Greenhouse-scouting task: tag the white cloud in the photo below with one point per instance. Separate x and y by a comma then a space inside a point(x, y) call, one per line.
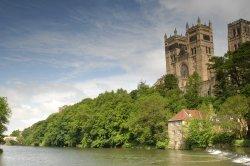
point(134, 45)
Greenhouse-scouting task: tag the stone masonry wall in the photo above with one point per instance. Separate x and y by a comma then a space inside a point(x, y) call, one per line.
point(175, 133)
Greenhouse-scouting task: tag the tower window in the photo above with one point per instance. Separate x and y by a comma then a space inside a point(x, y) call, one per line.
point(208, 50)
point(184, 71)
point(234, 32)
point(206, 37)
point(238, 31)
point(193, 38)
point(193, 51)
point(235, 47)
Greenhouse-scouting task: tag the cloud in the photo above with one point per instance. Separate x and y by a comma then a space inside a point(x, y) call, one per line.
point(86, 51)
point(30, 102)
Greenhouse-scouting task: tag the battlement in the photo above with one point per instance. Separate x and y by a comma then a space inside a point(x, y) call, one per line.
point(238, 33)
point(238, 21)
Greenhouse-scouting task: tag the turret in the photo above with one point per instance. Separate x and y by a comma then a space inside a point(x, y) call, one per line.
point(210, 24)
point(165, 37)
point(187, 26)
point(199, 21)
point(175, 32)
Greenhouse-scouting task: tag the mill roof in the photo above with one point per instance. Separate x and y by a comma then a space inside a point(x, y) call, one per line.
point(186, 114)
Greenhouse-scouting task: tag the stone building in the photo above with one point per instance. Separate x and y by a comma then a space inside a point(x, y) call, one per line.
point(189, 53)
point(176, 125)
point(238, 33)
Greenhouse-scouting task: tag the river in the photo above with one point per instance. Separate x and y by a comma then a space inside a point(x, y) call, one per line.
point(45, 156)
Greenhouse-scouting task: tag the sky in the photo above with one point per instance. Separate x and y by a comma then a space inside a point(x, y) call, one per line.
point(58, 52)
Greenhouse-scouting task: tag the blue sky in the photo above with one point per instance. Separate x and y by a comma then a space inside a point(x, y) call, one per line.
point(57, 52)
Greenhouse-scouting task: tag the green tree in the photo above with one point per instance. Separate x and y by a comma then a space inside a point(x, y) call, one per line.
point(15, 133)
point(233, 113)
point(232, 72)
point(168, 82)
point(192, 96)
point(4, 115)
point(199, 133)
point(175, 100)
point(148, 123)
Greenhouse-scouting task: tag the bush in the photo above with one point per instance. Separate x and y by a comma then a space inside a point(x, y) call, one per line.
point(242, 143)
point(223, 138)
point(161, 145)
point(127, 145)
point(11, 142)
point(199, 133)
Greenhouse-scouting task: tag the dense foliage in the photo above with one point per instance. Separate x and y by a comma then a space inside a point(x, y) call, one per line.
point(4, 115)
point(113, 119)
point(199, 134)
point(139, 118)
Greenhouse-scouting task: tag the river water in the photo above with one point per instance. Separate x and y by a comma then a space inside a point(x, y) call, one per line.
point(44, 156)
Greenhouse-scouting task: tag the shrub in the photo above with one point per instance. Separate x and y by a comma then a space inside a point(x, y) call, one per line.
point(223, 138)
point(199, 133)
point(161, 145)
point(242, 143)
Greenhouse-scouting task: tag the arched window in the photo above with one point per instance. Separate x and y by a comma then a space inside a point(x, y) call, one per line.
point(184, 71)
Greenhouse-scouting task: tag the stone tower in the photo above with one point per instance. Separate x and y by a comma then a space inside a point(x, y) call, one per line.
point(190, 53)
point(238, 33)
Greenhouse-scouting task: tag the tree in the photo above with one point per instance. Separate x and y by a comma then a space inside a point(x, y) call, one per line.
point(175, 100)
point(142, 90)
point(169, 82)
point(15, 133)
point(233, 113)
point(193, 90)
point(207, 110)
point(148, 123)
point(4, 115)
point(199, 133)
point(232, 72)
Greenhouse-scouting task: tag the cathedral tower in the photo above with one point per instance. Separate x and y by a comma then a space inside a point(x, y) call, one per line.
point(201, 48)
point(190, 53)
point(238, 33)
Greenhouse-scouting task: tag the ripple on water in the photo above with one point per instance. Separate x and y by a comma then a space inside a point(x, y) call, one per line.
point(236, 158)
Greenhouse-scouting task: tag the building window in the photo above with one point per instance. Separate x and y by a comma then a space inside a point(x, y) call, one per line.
point(193, 38)
point(184, 71)
point(238, 31)
point(206, 37)
point(234, 32)
point(235, 47)
point(209, 50)
point(193, 51)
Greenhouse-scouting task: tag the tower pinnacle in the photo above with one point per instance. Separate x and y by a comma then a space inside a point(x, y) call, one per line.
point(198, 21)
point(210, 24)
point(187, 26)
point(175, 31)
point(165, 37)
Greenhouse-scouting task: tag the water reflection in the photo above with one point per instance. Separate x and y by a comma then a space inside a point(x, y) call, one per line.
point(37, 156)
